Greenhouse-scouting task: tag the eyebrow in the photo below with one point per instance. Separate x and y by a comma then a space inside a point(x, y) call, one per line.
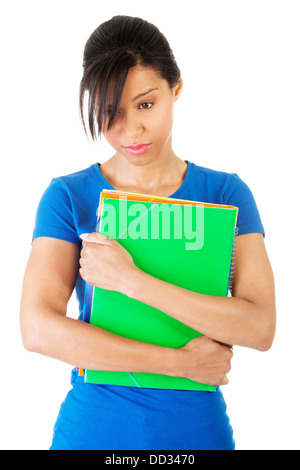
point(144, 94)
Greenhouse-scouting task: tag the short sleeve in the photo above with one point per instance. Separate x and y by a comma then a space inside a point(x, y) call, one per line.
point(240, 195)
point(54, 217)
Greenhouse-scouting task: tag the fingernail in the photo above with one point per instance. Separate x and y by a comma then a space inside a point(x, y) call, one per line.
point(84, 236)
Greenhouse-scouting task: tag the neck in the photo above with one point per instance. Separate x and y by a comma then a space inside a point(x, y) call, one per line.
point(158, 175)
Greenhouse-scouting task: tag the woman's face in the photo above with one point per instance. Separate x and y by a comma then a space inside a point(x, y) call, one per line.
point(143, 129)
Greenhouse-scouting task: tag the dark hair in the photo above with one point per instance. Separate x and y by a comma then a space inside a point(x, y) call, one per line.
point(111, 51)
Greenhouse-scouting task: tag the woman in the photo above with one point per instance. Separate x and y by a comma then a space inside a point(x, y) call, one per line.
point(132, 82)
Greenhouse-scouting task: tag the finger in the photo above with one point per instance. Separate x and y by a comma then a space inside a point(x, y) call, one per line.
point(95, 237)
point(225, 381)
point(81, 272)
point(83, 261)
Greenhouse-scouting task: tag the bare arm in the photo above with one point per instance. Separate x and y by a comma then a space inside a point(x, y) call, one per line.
point(246, 319)
point(48, 284)
point(49, 281)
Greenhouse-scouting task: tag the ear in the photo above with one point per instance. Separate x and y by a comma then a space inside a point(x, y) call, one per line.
point(177, 89)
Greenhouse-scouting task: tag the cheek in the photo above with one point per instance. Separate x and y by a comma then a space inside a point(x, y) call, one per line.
point(162, 117)
point(163, 122)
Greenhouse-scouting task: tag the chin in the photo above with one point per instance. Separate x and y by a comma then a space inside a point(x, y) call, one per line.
point(139, 160)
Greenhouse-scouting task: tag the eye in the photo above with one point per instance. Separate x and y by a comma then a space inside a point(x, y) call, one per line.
point(108, 112)
point(147, 105)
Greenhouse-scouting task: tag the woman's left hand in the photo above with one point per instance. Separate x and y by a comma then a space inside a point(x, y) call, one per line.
point(105, 263)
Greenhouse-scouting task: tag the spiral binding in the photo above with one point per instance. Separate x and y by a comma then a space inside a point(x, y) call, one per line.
point(233, 260)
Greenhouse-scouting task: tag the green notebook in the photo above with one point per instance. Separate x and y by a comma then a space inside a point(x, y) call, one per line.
point(189, 246)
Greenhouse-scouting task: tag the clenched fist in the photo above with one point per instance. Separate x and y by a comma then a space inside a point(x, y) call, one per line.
point(206, 361)
point(105, 263)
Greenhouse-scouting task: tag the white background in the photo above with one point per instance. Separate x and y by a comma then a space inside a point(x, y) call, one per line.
point(239, 112)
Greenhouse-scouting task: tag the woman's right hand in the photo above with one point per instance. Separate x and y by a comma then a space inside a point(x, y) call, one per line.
point(206, 361)
point(47, 330)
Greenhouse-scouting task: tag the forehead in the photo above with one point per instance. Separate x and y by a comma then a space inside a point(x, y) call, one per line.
point(141, 79)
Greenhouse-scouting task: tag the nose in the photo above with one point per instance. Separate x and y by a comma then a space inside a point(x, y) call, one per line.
point(131, 126)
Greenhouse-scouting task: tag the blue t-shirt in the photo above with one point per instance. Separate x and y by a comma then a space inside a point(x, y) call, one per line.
point(116, 417)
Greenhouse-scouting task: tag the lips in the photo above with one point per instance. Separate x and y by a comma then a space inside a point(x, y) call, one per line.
point(139, 149)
